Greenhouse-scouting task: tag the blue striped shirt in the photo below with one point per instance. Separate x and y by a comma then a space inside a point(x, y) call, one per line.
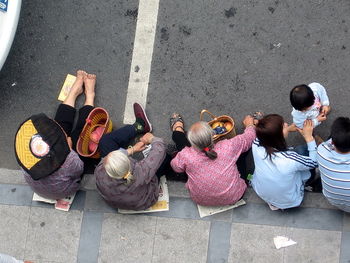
point(280, 182)
point(335, 175)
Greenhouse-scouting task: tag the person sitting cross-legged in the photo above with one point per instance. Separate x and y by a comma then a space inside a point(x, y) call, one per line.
point(281, 174)
point(214, 178)
point(123, 181)
point(45, 147)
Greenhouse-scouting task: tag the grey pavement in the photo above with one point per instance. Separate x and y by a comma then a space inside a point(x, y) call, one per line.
point(93, 232)
point(230, 57)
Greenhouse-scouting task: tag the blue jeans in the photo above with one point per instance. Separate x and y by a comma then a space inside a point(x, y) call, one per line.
point(119, 138)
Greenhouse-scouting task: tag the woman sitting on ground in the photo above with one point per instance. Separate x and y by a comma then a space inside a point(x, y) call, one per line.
point(280, 174)
point(45, 148)
point(123, 181)
point(213, 176)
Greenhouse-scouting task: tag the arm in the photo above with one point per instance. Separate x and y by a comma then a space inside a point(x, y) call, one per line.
point(152, 162)
point(74, 167)
point(298, 118)
point(244, 141)
point(321, 93)
point(178, 163)
point(303, 163)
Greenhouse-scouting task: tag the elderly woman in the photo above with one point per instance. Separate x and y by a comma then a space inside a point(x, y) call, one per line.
point(280, 174)
point(213, 176)
point(45, 148)
point(124, 182)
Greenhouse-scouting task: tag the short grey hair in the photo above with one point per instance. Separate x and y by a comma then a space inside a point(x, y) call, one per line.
point(117, 165)
point(200, 135)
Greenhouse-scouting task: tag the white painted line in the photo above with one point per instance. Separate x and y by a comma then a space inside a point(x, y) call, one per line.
point(142, 57)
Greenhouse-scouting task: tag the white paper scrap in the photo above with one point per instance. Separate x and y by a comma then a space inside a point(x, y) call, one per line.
point(281, 241)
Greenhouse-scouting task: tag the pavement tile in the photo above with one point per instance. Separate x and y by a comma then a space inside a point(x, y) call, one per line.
point(316, 200)
point(254, 243)
point(90, 237)
point(258, 214)
point(344, 249)
point(219, 242)
point(14, 194)
point(310, 243)
point(313, 218)
point(251, 197)
point(53, 235)
point(346, 222)
point(178, 189)
point(94, 202)
point(181, 240)
point(8, 176)
point(13, 225)
point(127, 238)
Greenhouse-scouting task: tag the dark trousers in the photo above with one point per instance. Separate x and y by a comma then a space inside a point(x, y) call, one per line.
point(65, 115)
point(181, 142)
point(119, 138)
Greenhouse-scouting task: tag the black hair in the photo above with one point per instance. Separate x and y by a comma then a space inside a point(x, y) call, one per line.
point(340, 134)
point(301, 97)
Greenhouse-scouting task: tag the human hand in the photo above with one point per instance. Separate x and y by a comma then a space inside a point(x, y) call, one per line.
point(307, 130)
point(325, 110)
point(248, 121)
point(292, 128)
point(147, 138)
point(321, 117)
point(139, 146)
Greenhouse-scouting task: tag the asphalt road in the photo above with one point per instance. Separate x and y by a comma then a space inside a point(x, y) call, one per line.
point(230, 58)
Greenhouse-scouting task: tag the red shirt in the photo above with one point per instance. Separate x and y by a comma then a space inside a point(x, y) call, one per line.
point(215, 182)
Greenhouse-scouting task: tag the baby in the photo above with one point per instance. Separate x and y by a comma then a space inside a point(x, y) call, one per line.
point(310, 102)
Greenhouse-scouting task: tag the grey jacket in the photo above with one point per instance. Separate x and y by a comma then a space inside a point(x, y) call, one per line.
point(143, 191)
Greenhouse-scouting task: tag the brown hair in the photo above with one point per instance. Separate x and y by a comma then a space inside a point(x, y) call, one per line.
point(269, 131)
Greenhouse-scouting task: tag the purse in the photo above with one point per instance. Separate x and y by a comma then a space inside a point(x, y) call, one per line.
point(225, 120)
point(97, 124)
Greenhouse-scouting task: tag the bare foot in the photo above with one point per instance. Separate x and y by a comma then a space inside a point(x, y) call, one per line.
point(89, 82)
point(77, 87)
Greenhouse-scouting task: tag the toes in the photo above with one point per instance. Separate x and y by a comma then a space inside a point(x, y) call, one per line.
point(91, 76)
point(81, 73)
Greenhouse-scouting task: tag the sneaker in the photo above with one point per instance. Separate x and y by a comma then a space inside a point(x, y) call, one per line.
point(141, 114)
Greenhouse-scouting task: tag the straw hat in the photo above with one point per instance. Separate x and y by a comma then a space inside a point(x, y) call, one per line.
point(41, 146)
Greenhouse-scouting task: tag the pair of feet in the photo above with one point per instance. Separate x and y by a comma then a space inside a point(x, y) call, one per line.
point(88, 81)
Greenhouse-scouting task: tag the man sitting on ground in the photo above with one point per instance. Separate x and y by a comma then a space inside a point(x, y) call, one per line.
point(334, 158)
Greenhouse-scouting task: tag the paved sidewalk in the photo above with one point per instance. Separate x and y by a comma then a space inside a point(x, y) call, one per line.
point(93, 232)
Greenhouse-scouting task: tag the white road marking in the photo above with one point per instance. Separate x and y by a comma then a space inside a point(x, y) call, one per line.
point(142, 57)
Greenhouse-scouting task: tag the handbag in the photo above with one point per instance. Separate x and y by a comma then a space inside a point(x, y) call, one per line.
point(97, 124)
point(223, 121)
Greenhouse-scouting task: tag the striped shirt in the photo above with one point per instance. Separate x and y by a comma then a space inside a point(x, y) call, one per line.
point(280, 181)
point(335, 175)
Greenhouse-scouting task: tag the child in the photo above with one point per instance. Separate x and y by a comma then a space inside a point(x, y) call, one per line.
point(310, 102)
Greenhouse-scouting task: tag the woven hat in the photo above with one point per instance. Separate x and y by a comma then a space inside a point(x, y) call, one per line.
point(41, 146)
